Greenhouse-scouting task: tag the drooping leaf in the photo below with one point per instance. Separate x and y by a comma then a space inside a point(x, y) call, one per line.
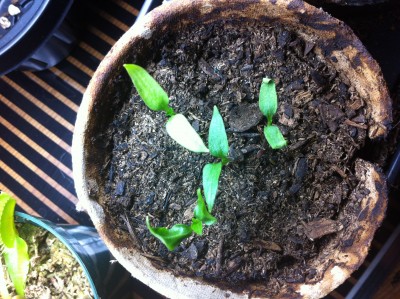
point(274, 137)
point(179, 128)
point(200, 211)
point(8, 232)
point(217, 139)
point(268, 100)
point(172, 237)
point(17, 262)
point(211, 174)
point(197, 226)
point(152, 94)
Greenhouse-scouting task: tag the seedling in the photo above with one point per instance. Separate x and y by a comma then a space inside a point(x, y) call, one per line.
point(155, 97)
point(180, 130)
point(201, 212)
point(13, 249)
point(173, 237)
point(268, 103)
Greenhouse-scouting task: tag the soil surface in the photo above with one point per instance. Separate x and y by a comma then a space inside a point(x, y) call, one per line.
point(276, 209)
point(53, 271)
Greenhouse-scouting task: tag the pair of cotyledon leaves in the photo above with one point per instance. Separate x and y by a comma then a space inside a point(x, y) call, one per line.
point(13, 248)
point(178, 127)
point(268, 103)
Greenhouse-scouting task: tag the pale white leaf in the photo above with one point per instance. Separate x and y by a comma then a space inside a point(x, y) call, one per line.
point(179, 128)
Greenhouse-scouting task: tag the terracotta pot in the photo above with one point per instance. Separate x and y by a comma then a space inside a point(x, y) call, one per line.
point(334, 42)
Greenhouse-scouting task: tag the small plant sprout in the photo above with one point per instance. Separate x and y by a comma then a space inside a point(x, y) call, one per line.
point(201, 212)
point(180, 130)
point(155, 97)
point(211, 173)
point(268, 103)
point(217, 139)
point(13, 249)
point(172, 237)
point(219, 147)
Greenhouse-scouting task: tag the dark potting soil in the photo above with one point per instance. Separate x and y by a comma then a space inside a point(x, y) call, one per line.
point(275, 208)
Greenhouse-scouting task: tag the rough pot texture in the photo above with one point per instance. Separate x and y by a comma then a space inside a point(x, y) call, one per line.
point(334, 43)
point(346, 2)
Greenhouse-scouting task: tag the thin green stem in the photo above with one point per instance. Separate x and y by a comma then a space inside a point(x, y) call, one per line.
point(170, 112)
point(224, 161)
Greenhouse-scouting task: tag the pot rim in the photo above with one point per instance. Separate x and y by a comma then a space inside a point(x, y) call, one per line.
point(65, 238)
point(348, 53)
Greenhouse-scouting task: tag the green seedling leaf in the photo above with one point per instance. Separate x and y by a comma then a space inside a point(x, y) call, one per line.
point(268, 100)
point(8, 231)
point(15, 249)
point(211, 174)
point(274, 137)
point(179, 128)
point(152, 94)
point(217, 139)
point(200, 211)
point(17, 262)
point(172, 237)
point(197, 226)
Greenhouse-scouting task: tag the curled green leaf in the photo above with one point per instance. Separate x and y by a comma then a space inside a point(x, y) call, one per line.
point(152, 94)
point(200, 211)
point(8, 231)
point(217, 139)
point(172, 237)
point(211, 173)
point(197, 226)
point(268, 99)
point(179, 129)
point(274, 137)
point(15, 249)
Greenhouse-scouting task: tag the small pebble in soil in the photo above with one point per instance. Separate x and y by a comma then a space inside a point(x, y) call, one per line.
point(5, 22)
point(120, 188)
point(150, 198)
point(190, 253)
point(196, 125)
point(294, 189)
point(13, 10)
point(301, 168)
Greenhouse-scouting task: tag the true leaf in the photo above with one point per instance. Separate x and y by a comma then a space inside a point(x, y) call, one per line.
point(8, 232)
point(200, 211)
point(268, 100)
point(211, 174)
point(152, 94)
point(179, 128)
point(217, 139)
point(172, 237)
point(17, 262)
point(197, 226)
point(274, 137)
